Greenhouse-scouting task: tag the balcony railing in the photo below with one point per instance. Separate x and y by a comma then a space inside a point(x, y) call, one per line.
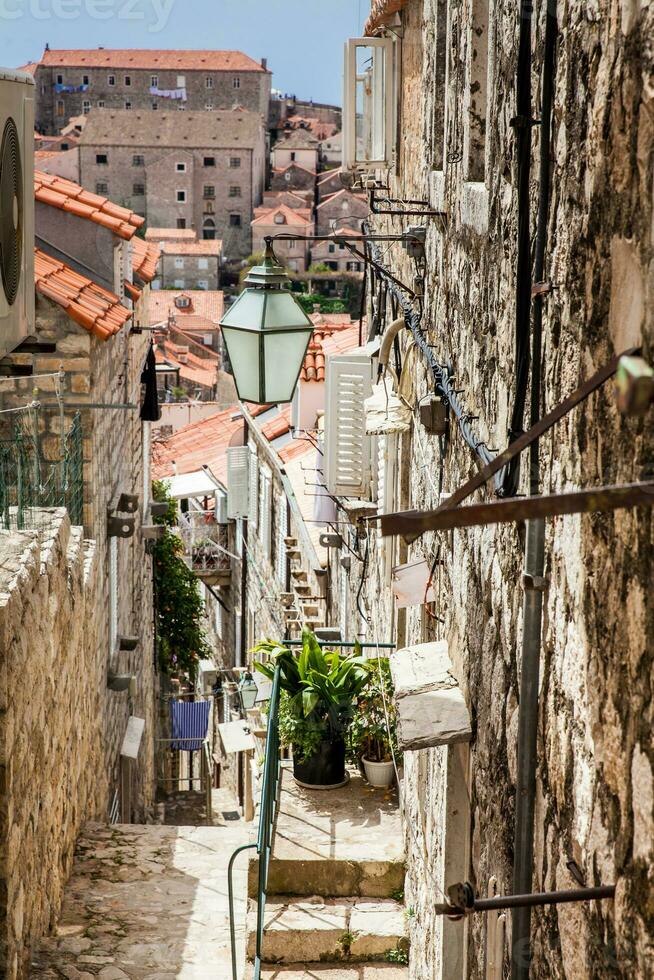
point(205, 546)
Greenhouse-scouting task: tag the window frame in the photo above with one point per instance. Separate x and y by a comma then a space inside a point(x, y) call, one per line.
point(180, 167)
point(238, 223)
point(111, 81)
point(382, 104)
point(138, 160)
point(102, 159)
point(180, 195)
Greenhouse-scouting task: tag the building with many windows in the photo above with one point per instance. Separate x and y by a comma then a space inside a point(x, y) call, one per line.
point(200, 171)
point(73, 82)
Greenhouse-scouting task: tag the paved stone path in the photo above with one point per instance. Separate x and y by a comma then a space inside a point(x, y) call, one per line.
point(148, 903)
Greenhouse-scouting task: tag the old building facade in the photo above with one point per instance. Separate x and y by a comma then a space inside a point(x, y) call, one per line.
point(454, 148)
point(73, 82)
point(201, 171)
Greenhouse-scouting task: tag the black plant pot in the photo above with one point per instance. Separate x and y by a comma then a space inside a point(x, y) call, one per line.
point(326, 767)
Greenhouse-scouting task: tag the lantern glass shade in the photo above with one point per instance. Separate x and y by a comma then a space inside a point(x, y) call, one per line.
point(248, 690)
point(266, 333)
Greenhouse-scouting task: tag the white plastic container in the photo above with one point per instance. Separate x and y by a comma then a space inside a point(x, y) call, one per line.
point(379, 774)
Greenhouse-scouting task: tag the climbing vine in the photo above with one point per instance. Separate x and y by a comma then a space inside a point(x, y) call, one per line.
point(181, 639)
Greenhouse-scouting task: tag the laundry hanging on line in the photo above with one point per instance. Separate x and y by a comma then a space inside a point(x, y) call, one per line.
point(189, 723)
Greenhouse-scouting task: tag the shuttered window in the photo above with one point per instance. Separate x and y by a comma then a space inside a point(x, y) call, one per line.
point(282, 532)
point(238, 476)
point(254, 488)
point(347, 447)
point(265, 508)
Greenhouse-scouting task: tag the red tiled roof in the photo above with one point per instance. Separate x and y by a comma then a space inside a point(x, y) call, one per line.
point(344, 191)
point(198, 370)
point(296, 450)
point(278, 426)
point(92, 307)
point(293, 216)
point(145, 256)
point(170, 234)
point(380, 11)
point(293, 166)
point(29, 68)
point(207, 246)
point(150, 58)
point(328, 327)
point(69, 196)
point(292, 199)
point(206, 307)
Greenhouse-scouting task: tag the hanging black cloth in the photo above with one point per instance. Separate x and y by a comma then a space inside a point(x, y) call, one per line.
point(150, 411)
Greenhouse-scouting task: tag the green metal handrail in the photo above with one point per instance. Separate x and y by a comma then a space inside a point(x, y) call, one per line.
point(265, 839)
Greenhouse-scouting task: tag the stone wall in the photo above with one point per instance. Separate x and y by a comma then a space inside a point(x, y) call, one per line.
point(594, 778)
point(52, 688)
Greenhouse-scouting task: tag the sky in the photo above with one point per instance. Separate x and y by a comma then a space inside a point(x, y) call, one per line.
point(302, 39)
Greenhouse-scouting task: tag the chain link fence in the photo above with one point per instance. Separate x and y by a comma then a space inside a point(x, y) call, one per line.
point(30, 483)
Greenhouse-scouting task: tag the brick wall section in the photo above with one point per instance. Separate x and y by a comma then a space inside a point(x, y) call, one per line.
point(253, 93)
point(594, 793)
point(52, 685)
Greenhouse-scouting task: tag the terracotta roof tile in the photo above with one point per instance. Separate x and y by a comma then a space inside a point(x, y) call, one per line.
point(150, 58)
point(213, 246)
point(170, 234)
point(92, 307)
point(331, 336)
point(206, 307)
point(69, 196)
point(292, 216)
point(145, 257)
point(278, 426)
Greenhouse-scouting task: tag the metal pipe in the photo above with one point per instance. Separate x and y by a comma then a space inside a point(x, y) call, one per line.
point(523, 849)
point(543, 898)
point(230, 901)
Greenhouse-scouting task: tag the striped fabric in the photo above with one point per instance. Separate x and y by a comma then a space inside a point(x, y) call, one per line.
point(189, 721)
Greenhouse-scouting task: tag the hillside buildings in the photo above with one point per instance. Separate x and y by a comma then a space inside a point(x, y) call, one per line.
point(75, 82)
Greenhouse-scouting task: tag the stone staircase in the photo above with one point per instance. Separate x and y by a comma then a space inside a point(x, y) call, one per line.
point(336, 873)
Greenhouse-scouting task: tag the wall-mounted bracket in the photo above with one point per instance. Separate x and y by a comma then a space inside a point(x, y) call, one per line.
point(128, 642)
point(128, 503)
point(462, 901)
point(120, 527)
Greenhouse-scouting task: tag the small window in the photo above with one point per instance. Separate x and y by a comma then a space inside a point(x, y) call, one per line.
point(85, 79)
point(292, 154)
point(138, 160)
point(203, 263)
point(203, 283)
point(181, 81)
point(128, 80)
point(210, 161)
point(280, 219)
point(234, 221)
point(332, 247)
point(208, 106)
point(181, 197)
point(179, 262)
point(209, 190)
point(180, 168)
point(101, 188)
point(101, 103)
point(154, 106)
point(86, 107)
point(181, 222)
point(291, 246)
point(128, 105)
point(234, 191)
point(60, 79)
point(101, 158)
point(138, 190)
point(179, 284)
point(60, 107)
point(182, 302)
point(65, 146)
point(154, 81)
point(111, 80)
point(234, 162)
point(208, 82)
point(236, 82)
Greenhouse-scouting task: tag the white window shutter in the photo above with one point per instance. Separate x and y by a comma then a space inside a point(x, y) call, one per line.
point(265, 502)
point(113, 593)
point(347, 447)
point(254, 488)
point(387, 449)
point(238, 464)
point(282, 532)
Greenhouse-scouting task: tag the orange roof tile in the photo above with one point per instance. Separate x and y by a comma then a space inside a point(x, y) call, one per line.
point(202, 443)
point(206, 307)
point(292, 216)
point(294, 165)
point(170, 234)
point(151, 58)
point(145, 256)
point(92, 307)
point(296, 450)
point(69, 196)
point(278, 426)
point(327, 327)
point(213, 246)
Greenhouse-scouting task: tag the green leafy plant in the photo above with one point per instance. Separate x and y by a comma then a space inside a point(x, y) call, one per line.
point(319, 691)
point(373, 732)
point(181, 638)
point(399, 954)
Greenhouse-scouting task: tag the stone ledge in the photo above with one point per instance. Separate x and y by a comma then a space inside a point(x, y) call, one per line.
point(430, 704)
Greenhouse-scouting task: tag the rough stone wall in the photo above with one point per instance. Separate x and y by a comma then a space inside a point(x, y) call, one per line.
point(594, 798)
point(52, 679)
point(191, 274)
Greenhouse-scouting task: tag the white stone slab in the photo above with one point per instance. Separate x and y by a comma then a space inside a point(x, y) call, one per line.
point(236, 736)
point(132, 738)
point(430, 704)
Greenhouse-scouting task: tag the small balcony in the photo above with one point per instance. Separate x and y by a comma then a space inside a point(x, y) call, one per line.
point(206, 549)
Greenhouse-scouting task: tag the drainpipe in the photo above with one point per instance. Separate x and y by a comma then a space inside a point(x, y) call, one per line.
point(533, 579)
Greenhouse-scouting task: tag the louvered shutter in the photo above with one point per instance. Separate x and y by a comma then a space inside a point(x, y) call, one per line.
point(282, 532)
point(265, 501)
point(113, 593)
point(254, 488)
point(347, 447)
point(238, 476)
point(387, 449)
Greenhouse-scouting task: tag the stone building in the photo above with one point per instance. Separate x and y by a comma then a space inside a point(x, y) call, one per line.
point(293, 177)
point(299, 146)
point(344, 209)
point(454, 147)
point(284, 220)
point(203, 171)
point(189, 264)
point(73, 82)
point(79, 736)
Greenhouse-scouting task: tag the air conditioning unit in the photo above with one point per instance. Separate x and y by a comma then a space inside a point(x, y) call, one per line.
point(16, 208)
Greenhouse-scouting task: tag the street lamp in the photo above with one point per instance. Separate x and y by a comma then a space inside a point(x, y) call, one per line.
point(266, 334)
point(247, 690)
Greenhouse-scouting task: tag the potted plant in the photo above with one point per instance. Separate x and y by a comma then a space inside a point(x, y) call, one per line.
point(373, 733)
point(319, 692)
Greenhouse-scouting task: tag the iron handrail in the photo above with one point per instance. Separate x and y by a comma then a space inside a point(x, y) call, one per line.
point(268, 801)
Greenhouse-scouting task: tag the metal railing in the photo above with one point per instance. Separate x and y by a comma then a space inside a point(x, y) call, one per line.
point(205, 543)
point(266, 835)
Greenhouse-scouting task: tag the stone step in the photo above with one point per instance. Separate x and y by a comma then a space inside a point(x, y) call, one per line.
point(335, 930)
point(331, 971)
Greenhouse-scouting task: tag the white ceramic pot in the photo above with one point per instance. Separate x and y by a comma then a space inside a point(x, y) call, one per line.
point(379, 774)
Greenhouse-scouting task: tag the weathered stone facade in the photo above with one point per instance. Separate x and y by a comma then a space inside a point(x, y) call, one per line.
point(53, 689)
point(594, 778)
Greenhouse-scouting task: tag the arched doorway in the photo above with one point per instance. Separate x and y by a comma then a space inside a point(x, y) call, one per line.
point(208, 228)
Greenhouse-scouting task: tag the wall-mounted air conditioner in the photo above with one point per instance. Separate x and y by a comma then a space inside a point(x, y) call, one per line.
point(369, 111)
point(16, 208)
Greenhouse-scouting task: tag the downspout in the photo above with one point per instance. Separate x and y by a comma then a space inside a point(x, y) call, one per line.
point(534, 558)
